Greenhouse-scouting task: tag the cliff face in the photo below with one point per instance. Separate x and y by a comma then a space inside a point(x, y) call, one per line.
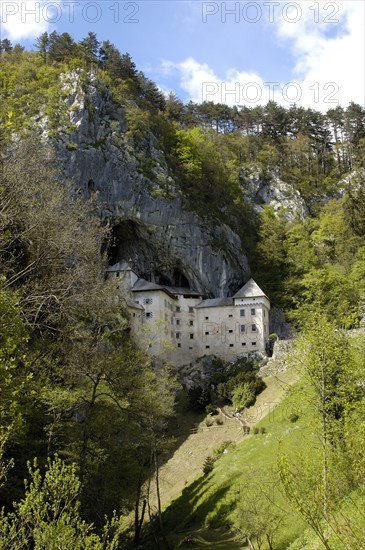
point(164, 241)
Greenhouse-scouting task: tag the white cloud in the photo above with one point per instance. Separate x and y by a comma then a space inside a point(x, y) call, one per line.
point(328, 46)
point(27, 19)
point(202, 84)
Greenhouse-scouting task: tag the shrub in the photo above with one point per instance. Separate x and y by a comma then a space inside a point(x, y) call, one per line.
point(293, 417)
point(209, 422)
point(219, 421)
point(263, 430)
point(210, 409)
point(222, 447)
point(208, 465)
point(72, 146)
point(256, 431)
point(242, 396)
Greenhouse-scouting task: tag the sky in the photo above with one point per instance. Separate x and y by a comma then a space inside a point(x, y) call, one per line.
point(307, 52)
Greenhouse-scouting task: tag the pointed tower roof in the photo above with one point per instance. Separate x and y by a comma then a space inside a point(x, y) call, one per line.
point(250, 290)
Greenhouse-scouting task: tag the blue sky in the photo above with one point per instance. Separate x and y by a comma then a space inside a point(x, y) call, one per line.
point(305, 51)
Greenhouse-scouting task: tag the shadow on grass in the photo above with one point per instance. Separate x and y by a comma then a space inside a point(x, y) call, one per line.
point(200, 503)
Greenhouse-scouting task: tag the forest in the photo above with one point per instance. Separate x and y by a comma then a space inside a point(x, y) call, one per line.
point(83, 410)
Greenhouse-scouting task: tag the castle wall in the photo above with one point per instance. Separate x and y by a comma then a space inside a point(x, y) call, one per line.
point(180, 328)
point(227, 332)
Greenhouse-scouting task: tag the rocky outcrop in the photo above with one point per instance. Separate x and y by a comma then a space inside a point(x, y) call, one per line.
point(164, 241)
point(275, 193)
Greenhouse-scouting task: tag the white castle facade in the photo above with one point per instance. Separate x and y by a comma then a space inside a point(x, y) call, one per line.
point(178, 325)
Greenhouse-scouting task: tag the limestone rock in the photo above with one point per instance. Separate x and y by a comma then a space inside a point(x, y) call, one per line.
point(274, 192)
point(164, 241)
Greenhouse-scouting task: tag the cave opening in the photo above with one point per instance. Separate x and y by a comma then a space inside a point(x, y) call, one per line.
point(123, 241)
point(133, 242)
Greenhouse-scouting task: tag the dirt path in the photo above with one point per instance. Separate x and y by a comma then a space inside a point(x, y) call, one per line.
point(187, 461)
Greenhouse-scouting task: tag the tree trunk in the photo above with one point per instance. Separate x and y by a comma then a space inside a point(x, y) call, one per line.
point(138, 521)
point(167, 546)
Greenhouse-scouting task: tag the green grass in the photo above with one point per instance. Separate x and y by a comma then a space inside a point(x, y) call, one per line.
point(211, 501)
point(214, 501)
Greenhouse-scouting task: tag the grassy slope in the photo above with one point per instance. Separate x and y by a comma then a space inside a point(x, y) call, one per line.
point(211, 500)
point(188, 458)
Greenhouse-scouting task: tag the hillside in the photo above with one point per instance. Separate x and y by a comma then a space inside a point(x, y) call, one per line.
point(188, 458)
point(244, 490)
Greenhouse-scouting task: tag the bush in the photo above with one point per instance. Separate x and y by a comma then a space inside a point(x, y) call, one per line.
point(242, 396)
point(210, 409)
point(256, 431)
point(209, 422)
point(219, 421)
point(222, 447)
point(72, 146)
point(245, 377)
point(293, 417)
point(263, 430)
point(208, 464)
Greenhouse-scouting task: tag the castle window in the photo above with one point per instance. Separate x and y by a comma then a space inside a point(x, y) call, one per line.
point(178, 321)
point(134, 314)
point(253, 311)
point(191, 336)
point(177, 335)
point(230, 331)
point(242, 328)
point(207, 333)
point(242, 312)
point(243, 343)
point(230, 315)
point(207, 347)
point(191, 309)
point(178, 309)
point(231, 345)
point(149, 314)
point(191, 323)
point(179, 345)
point(117, 274)
point(206, 318)
point(147, 301)
point(254, 343)
point(253, 326)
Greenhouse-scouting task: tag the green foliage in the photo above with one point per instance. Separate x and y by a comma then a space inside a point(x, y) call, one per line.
point(49, 514)
point(219, 451)
point(242, 389)
point(79, 382)
point(317, 482)
point(208, 465)
point(199, 398)
point(258, 518)
point(242, 396)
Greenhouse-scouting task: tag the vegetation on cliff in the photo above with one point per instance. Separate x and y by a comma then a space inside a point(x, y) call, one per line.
point(76, 392)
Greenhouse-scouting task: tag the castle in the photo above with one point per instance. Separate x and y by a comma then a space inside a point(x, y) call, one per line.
point(179, 325)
